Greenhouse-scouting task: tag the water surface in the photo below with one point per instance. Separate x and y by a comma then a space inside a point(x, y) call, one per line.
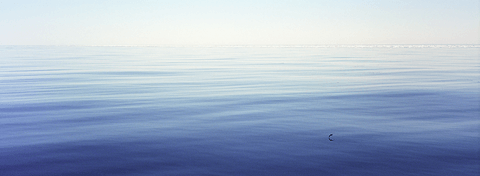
point(392, 110)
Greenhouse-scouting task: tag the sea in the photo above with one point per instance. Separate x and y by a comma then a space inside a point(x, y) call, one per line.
point(240, 110)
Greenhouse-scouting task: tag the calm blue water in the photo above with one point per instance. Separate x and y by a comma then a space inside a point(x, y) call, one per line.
point(392, 110)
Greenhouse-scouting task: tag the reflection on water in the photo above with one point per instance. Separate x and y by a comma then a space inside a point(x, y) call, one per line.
point(239, 111)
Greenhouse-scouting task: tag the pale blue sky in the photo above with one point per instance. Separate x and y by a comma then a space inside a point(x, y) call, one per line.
point(246, 22)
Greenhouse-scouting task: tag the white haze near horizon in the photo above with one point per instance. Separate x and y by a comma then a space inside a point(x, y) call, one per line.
point(248, 22)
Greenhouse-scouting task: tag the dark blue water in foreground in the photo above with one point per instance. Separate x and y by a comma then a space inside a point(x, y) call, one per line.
point(392, 110)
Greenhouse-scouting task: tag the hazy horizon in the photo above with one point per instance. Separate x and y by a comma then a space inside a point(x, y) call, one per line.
point(247, 23)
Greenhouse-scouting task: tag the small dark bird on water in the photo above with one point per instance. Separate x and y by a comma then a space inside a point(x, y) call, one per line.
point(329, 137)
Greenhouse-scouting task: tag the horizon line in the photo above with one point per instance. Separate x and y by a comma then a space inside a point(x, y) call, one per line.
point(277, 46)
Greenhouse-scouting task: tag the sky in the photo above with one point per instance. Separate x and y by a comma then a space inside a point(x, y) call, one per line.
point(245, 22)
